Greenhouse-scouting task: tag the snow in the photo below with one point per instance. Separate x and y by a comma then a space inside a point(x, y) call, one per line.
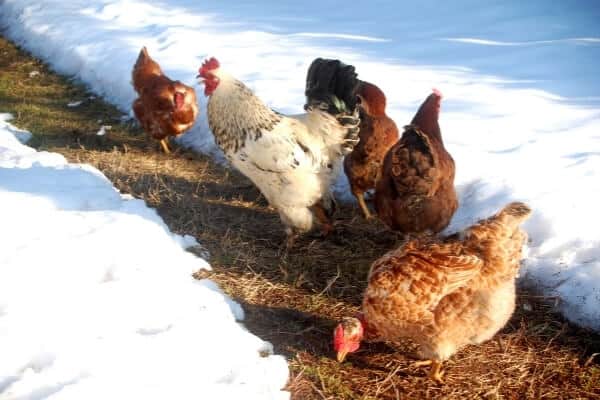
point(103, 129)
point(97, 299)
point(521, 110)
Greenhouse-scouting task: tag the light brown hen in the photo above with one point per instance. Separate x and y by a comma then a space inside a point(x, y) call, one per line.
point(164, 107)
point(416, 191)
point(442, 294)
point(378, 133)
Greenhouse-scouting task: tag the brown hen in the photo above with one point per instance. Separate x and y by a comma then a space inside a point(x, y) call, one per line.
point(416, 191)
point(164, 107)
point(442, 294)
point(378, 133)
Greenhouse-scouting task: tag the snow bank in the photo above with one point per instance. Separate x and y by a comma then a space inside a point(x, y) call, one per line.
point(512, 136)
point(97, 299)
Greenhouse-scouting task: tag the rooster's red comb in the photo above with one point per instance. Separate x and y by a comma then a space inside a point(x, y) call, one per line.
point(210, 64)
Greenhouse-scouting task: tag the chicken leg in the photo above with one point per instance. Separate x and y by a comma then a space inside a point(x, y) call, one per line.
point(291, 236)
point(165, 145)
point(290, 240)
point(321, 214)
point(500, 344)
point(361, 202)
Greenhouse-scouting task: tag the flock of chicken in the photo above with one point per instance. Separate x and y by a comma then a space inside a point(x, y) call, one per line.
point(441, 292)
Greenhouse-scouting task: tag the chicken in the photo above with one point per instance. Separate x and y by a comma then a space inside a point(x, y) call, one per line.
point(416, 191)
point(378, 133)
point(293, 160)
point(164, 107)
point(442, 294)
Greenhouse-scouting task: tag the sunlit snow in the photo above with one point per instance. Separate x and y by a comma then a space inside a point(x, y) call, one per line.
point(97, 298)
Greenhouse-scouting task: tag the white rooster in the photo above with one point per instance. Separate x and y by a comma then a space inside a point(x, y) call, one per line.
point(293, 160)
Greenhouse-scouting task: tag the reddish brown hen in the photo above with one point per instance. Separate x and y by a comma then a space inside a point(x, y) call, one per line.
point(442, 294)
point(164, 107)
point(378, 133)
point(416, 191)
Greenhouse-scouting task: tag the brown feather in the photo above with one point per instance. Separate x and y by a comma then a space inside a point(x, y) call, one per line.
point(377, 134)
point(155, 108)
point(416, 191)
point(447, 293)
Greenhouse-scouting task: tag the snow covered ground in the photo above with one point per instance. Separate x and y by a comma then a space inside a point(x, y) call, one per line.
point(97, 300)
point(521, 113)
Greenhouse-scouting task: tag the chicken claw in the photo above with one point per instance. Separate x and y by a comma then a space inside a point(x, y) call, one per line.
point(435, 373)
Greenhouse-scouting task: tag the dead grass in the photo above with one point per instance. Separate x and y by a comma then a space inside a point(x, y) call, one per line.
point(38, 100)
point(294, 298)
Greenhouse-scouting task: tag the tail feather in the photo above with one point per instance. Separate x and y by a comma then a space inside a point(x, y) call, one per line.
point(514, 213)
point(427, 115)
point(143, 56)
point(502, 224)
point(331, 85)
point(144, 67)
point(499, 239)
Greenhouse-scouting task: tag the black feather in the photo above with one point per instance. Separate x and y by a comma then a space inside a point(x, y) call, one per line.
point(331, 85)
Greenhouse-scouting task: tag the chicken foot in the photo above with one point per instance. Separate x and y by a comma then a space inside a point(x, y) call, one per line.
point(435, 373)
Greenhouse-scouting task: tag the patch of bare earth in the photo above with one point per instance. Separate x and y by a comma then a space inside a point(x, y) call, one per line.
point(294, 298)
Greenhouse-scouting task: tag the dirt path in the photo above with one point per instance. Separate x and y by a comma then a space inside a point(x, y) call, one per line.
point(294, 298)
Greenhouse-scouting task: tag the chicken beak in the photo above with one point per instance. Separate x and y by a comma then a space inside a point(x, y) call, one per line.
point(341, 355)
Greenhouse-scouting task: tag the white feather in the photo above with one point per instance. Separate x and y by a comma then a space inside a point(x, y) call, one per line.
point(293, 163)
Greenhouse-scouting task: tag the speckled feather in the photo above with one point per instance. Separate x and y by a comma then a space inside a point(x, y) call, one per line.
point(293, 160)
point(445, 294)
point(247, 118)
